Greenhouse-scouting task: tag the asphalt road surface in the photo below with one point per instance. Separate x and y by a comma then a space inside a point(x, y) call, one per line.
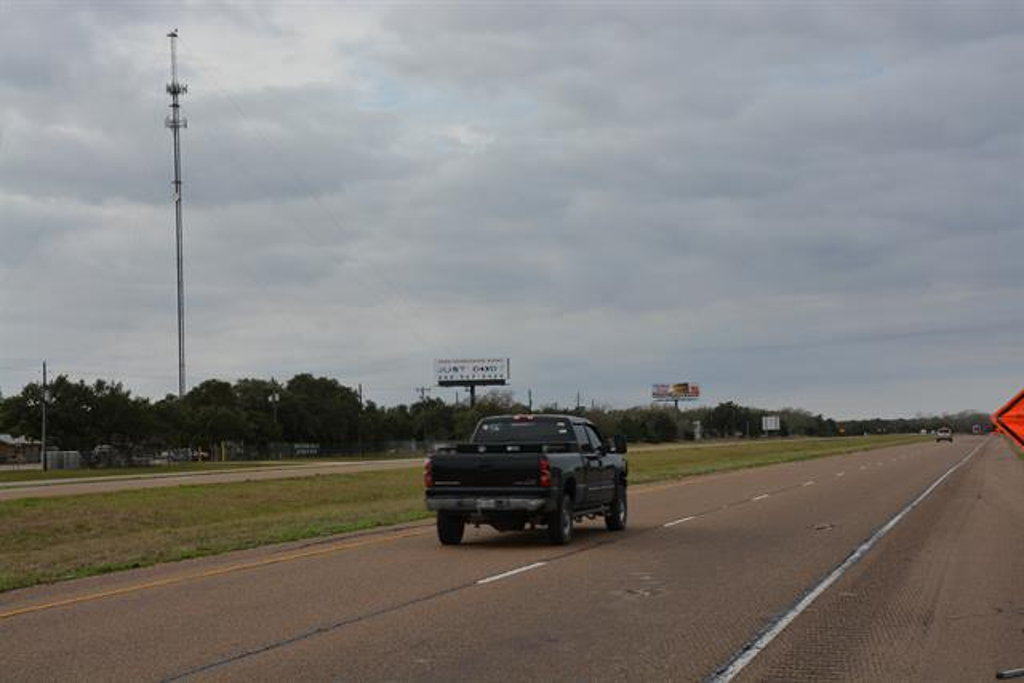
point(706, 567)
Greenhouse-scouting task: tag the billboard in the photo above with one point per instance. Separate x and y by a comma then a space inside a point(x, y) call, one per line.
point(770, 423)
point(680, 391)
point(460, 372)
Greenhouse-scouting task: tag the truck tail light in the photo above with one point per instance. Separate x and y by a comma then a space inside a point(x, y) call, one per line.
point(545, 472)
point(428, 474)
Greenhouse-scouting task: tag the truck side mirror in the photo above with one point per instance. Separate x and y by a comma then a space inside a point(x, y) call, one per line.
point(619, 444)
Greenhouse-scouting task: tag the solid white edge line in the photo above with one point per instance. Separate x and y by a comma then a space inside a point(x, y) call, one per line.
point(679, 521)
point(747, 655)
point(761, 497)
point(511, 572)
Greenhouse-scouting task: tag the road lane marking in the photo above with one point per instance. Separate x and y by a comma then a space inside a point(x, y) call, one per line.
point(511, 572)
point(808, 483)
point(839, 474)
point(745, 656)
point(679, 521)
point(220, 571)
point(761, 497)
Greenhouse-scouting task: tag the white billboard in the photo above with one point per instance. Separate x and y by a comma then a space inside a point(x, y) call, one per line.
point(467, 371)
point(770, 423)
point(680, 391)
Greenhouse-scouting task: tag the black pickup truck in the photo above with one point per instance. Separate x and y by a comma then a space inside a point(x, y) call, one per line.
point(546, 470)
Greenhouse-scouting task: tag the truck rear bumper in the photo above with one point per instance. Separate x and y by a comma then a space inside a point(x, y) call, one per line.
point(485, 504)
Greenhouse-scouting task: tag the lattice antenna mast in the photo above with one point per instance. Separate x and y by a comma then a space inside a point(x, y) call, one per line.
point(176, 122)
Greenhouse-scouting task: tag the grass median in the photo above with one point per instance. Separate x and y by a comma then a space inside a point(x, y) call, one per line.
point(36, 475)
point(44, 540)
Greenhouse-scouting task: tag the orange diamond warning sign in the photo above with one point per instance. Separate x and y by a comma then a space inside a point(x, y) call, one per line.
point(1010, 419)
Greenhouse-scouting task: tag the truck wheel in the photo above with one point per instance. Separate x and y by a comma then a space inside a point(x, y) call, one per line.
point(450, 528)
point(560, 523)
point(615, 518)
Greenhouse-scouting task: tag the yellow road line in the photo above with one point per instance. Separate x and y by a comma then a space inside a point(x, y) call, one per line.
point(220, 571)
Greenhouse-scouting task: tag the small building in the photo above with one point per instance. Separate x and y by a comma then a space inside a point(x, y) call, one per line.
point(18, 449)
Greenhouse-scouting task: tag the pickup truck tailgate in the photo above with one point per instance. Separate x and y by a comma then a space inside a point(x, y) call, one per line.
point(485, 470)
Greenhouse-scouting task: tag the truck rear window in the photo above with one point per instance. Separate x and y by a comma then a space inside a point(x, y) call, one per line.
point(524, 431)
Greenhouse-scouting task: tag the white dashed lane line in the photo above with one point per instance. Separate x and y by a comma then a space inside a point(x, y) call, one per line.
point(511, 572)
point(722, 508)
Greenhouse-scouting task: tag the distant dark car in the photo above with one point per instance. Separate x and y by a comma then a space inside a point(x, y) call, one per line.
point(545, 470)
point(944, 434)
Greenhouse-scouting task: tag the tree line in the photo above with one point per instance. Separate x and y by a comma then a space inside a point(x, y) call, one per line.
point(264, 414)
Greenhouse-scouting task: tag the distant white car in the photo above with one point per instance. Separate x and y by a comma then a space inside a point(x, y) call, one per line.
point(944, 434)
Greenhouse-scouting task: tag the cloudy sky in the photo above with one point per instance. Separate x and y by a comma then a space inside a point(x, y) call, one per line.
point(791, 204)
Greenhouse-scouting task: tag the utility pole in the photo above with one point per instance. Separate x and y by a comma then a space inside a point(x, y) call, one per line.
point(359, 422)
point(42, 445)
point(422, 391)
point(274, 399)
point(577, 401)
point(529, 399)
point(176, 122)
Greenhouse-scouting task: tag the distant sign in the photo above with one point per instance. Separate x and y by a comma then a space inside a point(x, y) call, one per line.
point(770, 423)
point(681, 391)
point(453, 372)
point(1010, 419)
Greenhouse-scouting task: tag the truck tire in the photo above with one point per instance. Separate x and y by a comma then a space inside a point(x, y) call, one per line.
point(560, 523)
point(450, 528)
point(618, 513)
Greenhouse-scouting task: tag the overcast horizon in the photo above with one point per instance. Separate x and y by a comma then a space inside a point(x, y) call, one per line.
point(806, 205)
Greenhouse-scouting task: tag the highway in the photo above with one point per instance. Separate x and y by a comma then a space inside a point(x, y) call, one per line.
point(707, 567)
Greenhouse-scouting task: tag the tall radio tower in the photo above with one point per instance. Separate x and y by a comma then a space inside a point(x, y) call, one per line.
point(176, 122)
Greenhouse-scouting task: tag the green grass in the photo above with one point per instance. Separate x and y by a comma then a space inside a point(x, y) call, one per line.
point(13, 476)
point(179, 468)
point(44, 540)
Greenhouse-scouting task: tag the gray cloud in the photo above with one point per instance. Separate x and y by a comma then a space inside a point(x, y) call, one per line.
point(791, 204)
